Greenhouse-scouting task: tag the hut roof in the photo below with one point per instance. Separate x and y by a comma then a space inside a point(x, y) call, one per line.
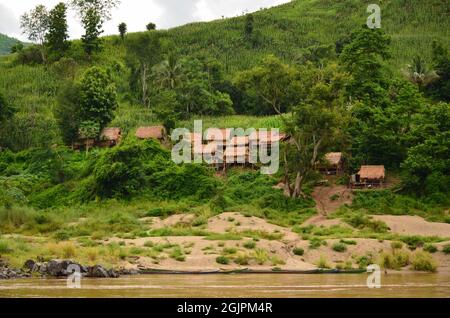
point(154, 132)
point(334, 158)
point(210, 148)
point(216, 134)
point(267, 137)
point(235, 151)
point(239, 141)
point(372, 172)
point(111, 133)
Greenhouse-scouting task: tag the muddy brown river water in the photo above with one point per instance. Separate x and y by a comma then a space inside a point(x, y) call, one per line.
point(237, 285)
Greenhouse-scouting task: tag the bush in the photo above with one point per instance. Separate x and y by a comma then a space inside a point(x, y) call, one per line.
point(339, 247)
point(423, 261)
point(396, 245)
point(4, 247)
point(430, 248)
point(446, 249)
point(223, 260)
point(249, 245)
point(413, 242)
point(322, 262)
point(298, 251)
point(348, 242)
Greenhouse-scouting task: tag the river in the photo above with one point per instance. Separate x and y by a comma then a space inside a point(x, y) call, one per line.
point(237, 285)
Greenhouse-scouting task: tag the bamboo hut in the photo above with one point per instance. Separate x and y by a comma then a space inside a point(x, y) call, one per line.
point(153, 132)
point(368, 177)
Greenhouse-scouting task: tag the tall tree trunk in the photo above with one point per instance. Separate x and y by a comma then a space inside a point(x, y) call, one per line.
point(298, 186)
point(287, 185)
point(144, 84)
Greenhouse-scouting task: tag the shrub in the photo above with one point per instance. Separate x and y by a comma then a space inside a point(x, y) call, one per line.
point(249, 245)
point(339, 247)
point(348, 242)
point(298, 251)
point(446, 249)
point(229, 250)
point(423, 261)
point(315, 243)
point(430, 248)
point(242, 259)
point(178, 254)
point(68, 250)
point(396, 245)
point(4, 247)
point(223, 260)
point(322, 262)
point(413, 242)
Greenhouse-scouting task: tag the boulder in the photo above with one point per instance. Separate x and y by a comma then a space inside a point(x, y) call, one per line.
point(58, 268)
point(30, 265)
point(97, 271)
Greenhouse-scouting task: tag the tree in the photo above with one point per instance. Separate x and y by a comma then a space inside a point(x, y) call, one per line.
point(56, 38)
point(315, 126)
point(150, 27)
point(426, 170)
point(168, 74)
point(274, 83)
point(98, 97)
point(68, 113)
point(102, 7)
point(143, 52)
point(35, 25)
point(122, 30)
point(311, 128)
point(419, 74)
point(440, 89)
point(248, 29)
point(93, 14)
point(363, 58)
point(89, 130)
point(92, 26)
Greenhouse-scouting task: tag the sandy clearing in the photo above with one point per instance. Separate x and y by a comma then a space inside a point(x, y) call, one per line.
point(231, 221)
point(173, 220)
point(414, 225)
point(321, 220)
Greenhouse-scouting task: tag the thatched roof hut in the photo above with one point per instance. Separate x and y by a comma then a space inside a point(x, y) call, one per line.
point(154, 132)
point(110, 137)
point(377, 173)
point(333, 158)
point(219, 135)
point(266, 137)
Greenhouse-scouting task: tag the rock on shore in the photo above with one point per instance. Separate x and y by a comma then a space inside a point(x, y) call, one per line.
point(55, 268)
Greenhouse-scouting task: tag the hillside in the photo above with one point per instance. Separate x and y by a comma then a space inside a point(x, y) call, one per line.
point(6, 43)
point(286, 31)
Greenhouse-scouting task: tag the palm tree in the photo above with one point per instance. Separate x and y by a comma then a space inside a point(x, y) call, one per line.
point(419, 74)
point(168, 74)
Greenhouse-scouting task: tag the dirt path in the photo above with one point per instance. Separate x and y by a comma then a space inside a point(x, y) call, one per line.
point(329, 199)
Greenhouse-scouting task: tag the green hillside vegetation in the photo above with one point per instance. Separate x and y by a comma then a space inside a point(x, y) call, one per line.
point(6, 43)
point(311, 68)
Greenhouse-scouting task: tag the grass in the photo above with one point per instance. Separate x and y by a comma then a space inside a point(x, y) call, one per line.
point(249, 245)
point(423, 261)
point(298, 251)
point(446, 249)
point(339, 247)
point(222, 260)
point(322, 262)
